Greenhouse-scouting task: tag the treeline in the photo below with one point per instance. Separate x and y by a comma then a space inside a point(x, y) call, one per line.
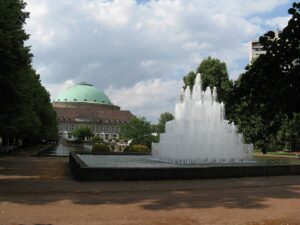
point(26, 114)
point(264, 102)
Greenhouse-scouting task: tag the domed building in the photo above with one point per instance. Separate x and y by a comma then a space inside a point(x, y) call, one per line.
point(84, 105)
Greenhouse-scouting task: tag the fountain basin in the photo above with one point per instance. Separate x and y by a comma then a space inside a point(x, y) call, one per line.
point(87, 167)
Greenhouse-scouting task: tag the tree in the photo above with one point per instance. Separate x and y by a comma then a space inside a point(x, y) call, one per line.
point(214, 74)
point(26, 113)
point(82, 132)
point(189, 80)
point(266, 97)
point(284, 54)
point(163, 119)
point(136, 128)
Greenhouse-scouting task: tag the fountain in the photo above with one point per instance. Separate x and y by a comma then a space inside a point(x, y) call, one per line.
point(199, 143)
point(200, 133)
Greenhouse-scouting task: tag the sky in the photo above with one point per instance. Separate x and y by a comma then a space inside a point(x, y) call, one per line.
point(137, 51)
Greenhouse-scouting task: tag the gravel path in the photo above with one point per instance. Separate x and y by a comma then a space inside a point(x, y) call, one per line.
point(40, 191)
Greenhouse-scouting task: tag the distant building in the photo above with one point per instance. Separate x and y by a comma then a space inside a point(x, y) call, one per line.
point(84, 105)
point(256, 48)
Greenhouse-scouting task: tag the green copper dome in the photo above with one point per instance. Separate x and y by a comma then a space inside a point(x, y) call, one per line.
point(83, 92)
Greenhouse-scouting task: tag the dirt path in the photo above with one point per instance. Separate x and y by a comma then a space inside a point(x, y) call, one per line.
point(40, 190)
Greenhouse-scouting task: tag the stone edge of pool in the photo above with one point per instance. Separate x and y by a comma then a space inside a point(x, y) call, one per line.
point(82, 172)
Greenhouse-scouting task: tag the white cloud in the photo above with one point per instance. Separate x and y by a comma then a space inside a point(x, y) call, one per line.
point(55, 88)
point(147, 98)
point(120, 44)
point(110, 13)
point(278, 22)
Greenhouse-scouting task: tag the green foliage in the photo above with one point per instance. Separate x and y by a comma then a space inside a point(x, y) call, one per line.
point(154, 128)
point(288, 136)
point(136, 128)
point(96, 139)
point(137, 148)
point(266, 97)
point(146, 140)
point(82, 132)
point(155, 139)
point(189, 80)
point(100, 148)
point(214, 74)
point(163, 119)
point(26, 113)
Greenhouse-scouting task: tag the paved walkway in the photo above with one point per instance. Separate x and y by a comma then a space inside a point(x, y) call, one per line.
point(40, 191)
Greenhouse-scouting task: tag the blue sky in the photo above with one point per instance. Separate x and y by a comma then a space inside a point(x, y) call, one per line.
point(138, 52)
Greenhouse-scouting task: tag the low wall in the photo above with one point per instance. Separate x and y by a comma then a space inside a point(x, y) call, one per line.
point(82, 172)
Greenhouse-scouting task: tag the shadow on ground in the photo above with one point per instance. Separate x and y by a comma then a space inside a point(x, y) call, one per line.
point(43, 180)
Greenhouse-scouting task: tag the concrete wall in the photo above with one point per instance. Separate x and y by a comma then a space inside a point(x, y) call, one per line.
point(82, 172)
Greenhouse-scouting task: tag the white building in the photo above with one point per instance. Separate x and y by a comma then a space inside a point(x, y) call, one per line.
point(256, 48)
point(84, 105)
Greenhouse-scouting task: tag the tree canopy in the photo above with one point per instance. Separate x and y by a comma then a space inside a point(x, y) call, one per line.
point(266, 97)
point(163, 119)
point(136, 128)
point(213, 74)
point(82, 132)
point(26, 113)
point(264, 100)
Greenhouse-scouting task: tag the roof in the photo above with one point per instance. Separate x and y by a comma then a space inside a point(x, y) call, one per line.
point(105, 115)
point(83, 92)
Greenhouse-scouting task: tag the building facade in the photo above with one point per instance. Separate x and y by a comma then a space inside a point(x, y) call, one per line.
point(256, 48)
point(84, 105)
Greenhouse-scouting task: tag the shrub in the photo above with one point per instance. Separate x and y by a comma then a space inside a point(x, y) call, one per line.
point(96, 139)
point(145, 140)
point(100, 148)
point(137, 148)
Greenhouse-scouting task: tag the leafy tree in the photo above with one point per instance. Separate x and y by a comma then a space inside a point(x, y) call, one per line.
point(163, 119)
point(189, 80)
point(82, 132)
point(137, 148)
point(266, 97)
point(26, 113)
point(214, 74)
point(136, 128)
point(14, 59)
point(154, 128)
point(101, 148)
point(288, 136)
point(97, 139)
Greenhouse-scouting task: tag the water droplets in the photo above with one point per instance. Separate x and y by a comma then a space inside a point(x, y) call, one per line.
point(200, 133)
